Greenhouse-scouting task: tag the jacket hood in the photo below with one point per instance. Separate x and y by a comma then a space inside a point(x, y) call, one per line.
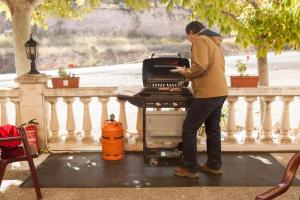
point(217, 38)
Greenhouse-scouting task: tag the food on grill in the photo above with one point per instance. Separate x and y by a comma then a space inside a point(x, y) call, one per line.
point(174, 70)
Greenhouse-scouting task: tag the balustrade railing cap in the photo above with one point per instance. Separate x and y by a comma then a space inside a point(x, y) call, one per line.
point(32, 78)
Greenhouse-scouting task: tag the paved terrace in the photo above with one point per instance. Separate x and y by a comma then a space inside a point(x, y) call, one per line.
point(18, 173)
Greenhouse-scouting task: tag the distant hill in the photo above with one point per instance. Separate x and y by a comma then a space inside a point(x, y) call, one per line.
point(109, 35)
point(116, 21)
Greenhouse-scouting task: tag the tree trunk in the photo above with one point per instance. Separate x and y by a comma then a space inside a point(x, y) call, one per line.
point(21, 18)
point(263, 72)
point(21, 14)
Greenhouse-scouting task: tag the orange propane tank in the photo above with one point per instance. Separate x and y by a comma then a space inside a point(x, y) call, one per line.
point(112, 140)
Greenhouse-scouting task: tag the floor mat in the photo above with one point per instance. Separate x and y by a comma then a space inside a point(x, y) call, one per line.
point(88, 170)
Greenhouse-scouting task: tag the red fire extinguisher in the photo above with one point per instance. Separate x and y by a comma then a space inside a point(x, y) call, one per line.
point(32, 135)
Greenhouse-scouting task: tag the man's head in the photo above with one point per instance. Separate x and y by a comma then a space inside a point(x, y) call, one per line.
point(193, 28)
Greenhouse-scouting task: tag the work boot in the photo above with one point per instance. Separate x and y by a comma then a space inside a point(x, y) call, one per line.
point(204, 168)
point(183, 172)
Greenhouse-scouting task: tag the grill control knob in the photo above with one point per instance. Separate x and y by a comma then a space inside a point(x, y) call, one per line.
point(157, 104)
point(175, 104)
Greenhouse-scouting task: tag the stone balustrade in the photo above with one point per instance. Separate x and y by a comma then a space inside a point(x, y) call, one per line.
point(86, 139)
point(74, 110)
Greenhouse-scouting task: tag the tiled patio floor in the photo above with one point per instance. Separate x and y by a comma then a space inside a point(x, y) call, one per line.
point(202, 193)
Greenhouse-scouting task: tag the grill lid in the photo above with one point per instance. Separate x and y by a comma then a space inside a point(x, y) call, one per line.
point(156, 71)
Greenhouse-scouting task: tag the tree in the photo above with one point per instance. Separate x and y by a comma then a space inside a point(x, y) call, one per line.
point(266, 24)
point(27, 12)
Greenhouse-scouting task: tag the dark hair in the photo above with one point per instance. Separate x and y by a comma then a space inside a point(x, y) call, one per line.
point(194, 27)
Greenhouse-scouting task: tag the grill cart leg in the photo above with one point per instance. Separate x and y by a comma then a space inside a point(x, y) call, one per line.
point(145, 150)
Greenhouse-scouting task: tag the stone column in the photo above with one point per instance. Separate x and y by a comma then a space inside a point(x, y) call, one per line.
point(71, 138)
point(285, 120)
point(104, 111)
point(32, 103)
point(267, 121)
point(249, 120)
point(230, 138)
point(122, 116)
point(3, 111)
point(16, 101)
point(87, 124)
point(54, 124)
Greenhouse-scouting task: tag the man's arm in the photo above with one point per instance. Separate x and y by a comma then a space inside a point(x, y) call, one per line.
point(199, 60)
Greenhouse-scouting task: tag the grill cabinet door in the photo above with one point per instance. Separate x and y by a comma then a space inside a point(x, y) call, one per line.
point(164, 123)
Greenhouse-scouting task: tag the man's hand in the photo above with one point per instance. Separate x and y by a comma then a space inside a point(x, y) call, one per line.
point(181, 70)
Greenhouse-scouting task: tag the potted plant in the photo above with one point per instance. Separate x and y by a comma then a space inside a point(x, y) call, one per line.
point(65, 79)
point(243, 80)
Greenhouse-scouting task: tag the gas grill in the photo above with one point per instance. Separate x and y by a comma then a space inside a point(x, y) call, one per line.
point(165, 100)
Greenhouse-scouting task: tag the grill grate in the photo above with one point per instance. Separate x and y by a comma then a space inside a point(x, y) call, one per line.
point(164, 85)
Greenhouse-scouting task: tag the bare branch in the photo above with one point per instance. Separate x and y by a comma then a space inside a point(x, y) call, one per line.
point(35, 3)
point(253, 3)
point(229, 14)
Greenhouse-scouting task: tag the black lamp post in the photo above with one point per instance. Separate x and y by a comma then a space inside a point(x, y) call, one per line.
point(32, 48)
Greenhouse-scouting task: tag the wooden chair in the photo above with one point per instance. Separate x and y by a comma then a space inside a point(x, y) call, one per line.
point(285, 182)
point(26, 157)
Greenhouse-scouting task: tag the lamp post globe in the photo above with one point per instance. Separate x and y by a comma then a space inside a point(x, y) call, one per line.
point(32, 48)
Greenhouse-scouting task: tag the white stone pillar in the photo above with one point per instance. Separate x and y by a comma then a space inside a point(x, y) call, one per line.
point(231, 128)
point(3, 102)
point(122, 116)
point(71, 138)
point(285, 120)
point(16, 101)
point(267, 121)
point(54, 124)
point(32, 104)
point(249, 120)
point(87, 124)
point(104, 111)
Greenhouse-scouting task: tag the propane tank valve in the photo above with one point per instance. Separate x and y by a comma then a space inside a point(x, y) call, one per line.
point(112, 117)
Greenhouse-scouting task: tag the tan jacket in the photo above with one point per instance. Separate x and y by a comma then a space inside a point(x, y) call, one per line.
point(207, 71)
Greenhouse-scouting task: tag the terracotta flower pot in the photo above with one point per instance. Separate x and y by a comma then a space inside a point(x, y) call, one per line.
point(244, 81)
point(65, 83)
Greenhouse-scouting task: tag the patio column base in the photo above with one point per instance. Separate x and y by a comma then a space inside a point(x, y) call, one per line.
point(32, 87)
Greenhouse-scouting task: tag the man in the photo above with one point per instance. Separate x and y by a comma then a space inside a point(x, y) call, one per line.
point(207, 74)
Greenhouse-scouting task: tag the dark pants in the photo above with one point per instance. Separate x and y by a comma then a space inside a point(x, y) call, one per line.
point(207, 111)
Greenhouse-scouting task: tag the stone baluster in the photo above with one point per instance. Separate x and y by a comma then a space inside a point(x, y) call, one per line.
point(3, 102)
point(231, 128)
point(267, 121)
point(71, 138)
point(122, 116)
point(104, 112)
point(139, 124)
point(249, 120)
point(87, 125)
point(16, 101)
point(54, 124)
point(285, 120)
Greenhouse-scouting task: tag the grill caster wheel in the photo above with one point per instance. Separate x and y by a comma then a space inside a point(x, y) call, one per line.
point(153, 162)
